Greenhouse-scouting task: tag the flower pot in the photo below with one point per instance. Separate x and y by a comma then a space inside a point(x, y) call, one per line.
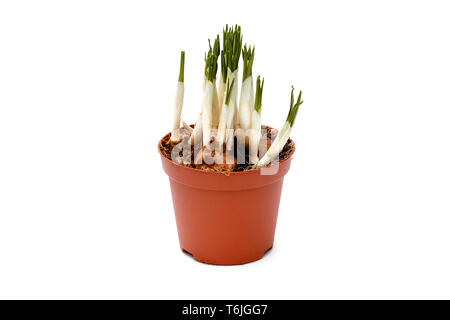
point(225, 219)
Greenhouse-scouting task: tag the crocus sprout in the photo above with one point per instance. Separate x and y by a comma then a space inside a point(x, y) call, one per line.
point(283, 135)
point(215, 103)
point(209, 95)
point(222, 81)
point(232, 46)
point(247, 96)
point(187, 127)
point(209, 113)
point(178, 105)
point(226, 116)
point(255, 131)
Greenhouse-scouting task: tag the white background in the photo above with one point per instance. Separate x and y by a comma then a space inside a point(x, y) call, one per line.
point(86, 91)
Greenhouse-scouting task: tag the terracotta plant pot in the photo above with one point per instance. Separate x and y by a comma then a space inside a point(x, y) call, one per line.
point(225, 219)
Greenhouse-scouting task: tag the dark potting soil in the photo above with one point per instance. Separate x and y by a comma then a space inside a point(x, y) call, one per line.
point(167, 148)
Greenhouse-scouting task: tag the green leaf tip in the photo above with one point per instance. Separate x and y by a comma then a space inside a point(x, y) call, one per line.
point(232, 46)
point(258, 94)
point(248, 55)
point(181, 75)
point(211, 59)
point(216, 48)
point(229, 89)
point(293, 109)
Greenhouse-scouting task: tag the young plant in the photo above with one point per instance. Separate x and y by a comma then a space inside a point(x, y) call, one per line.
point(215, 103)
point(255, 131)
point(222, 81)
point(283, 135)
point(232, 46)
point(209, 113)
point(197, 132)
point(187, 127)
point(246, 100)
point(178, 105)
point(208, 95)
point(226, 117)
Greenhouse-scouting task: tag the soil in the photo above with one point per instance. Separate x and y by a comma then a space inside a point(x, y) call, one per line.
point(167, 148)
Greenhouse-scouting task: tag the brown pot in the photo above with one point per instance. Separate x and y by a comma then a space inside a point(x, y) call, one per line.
point(225, 219)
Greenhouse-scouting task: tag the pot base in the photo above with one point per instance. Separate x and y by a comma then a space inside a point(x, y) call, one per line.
point(208, 260)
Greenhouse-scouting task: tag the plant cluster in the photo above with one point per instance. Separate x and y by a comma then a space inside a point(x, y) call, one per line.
point(225, 124)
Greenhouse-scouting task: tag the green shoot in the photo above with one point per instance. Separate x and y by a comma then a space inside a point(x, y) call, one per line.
point(211, 60)
point(223, 67)
point(248, 54)
point(181, 75)
point(216, 48)
point(232, 45)
point(229, 89)
point(293, 109)
point(258, 94)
